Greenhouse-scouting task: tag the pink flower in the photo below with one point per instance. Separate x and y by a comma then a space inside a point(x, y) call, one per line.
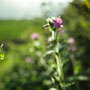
point(28, 59)
point(34, 36)
point(71, 41)
point(57, 23)
point(61, 31)
point(73, 48)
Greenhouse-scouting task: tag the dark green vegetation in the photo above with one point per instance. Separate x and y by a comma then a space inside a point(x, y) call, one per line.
point(77, 23)
point(15, 72)
point(15, 33)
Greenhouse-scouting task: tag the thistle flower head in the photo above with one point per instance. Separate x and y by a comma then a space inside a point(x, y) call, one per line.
point(57, 23)
point(28, 59)
point(61, 31)
point(34, 36)
point(71, 41)
point(54, 23)
point(73, 48)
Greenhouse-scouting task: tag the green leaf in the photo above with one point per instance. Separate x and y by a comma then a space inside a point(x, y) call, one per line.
point(79, 77)
point(69, 84)
point(53, 89)
point(1, 53)
point(57, 47)
point(50, 52)
point(65, 61)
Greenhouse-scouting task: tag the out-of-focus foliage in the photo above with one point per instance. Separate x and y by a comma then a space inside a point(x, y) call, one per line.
point(23, 66)
point(77, 24)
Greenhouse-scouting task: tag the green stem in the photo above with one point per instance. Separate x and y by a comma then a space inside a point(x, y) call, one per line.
point(60, 71)
point(74, 67)
point(73, 62)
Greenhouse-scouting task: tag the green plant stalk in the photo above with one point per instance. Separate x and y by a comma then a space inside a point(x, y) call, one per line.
point(73, 62)
point(60, 70)
point(58, 61)
point(74, 66)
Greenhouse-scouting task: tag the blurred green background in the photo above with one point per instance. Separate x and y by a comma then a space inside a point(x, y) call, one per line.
point(17, 74)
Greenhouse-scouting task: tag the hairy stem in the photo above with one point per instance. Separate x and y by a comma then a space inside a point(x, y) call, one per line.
point(60, 71)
